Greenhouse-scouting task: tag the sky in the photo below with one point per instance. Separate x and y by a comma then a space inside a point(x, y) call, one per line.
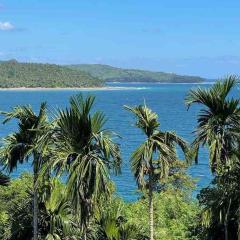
point(185, 37)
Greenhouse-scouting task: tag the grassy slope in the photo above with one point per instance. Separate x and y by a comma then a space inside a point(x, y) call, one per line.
point(109, 73)
point(14, 74)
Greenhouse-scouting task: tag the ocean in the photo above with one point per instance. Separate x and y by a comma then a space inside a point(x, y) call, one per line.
point(165, 99)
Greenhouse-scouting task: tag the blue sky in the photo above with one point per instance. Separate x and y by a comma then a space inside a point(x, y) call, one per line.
point(187, 37)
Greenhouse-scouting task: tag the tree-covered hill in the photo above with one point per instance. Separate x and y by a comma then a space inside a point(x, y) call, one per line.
point(14, 74)
point(30, 75)
point(111, 74)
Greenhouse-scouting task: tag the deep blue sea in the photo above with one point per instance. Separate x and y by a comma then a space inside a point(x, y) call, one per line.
point(166, 99)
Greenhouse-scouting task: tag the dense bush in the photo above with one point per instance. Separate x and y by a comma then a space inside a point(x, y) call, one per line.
point(175, 210)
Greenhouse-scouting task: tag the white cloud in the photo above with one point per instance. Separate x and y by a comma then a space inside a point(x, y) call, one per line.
point(6, 26)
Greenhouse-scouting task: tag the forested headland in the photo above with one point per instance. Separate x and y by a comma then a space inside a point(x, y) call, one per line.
point(14, 74)
point(114, 74)
point(32, 75)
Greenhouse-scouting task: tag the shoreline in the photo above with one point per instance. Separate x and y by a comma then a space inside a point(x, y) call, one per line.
point(104, 88)
point(163, 83)
point(69, 89)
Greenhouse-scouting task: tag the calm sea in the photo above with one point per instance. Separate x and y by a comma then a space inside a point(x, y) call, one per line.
point(166, 99)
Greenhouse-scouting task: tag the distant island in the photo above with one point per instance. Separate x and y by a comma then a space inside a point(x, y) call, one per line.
point(114, 74)
point(14, 74)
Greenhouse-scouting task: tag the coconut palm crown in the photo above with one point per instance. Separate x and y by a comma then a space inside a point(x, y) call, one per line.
point(85, 151)
point(218, 121)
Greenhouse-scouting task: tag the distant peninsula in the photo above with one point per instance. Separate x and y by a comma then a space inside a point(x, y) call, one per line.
point(113, 74)
point(36, 75)
point(14, 74)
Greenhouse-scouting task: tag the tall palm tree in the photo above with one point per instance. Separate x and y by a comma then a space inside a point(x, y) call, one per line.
point(218, 129)
point(218, 121)
point(26, 143)
point(86, 152)
point(151, 161)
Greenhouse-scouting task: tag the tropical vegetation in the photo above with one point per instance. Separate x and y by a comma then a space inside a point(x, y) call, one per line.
point(218, 129)
point(152, 161)
point(70, 193)
point(14, 74)
point(113, 74)
point(33, 75)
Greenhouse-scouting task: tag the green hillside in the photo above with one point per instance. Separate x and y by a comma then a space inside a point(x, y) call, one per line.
point(15, 74)
point(111, 74)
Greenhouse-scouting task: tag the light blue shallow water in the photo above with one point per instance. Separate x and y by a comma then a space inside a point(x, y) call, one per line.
point(166, 99)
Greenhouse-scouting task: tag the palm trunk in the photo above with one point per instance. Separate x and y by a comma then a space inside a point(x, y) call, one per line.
point(35, 200)
point(225, 231)
point(226, 220)
point(151, 223)
point(35, 210)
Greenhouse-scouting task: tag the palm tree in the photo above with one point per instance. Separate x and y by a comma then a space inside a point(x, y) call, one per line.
point(218, 129)
point(218, 121)
point(151, 161)
point(86, 152)
point(26, 143)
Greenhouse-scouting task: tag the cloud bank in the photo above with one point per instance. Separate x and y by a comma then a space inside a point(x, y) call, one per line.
point(6, 26)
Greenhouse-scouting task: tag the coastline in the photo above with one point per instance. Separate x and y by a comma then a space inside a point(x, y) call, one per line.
point(104, 88)
point(69, 89)
point(161, 83)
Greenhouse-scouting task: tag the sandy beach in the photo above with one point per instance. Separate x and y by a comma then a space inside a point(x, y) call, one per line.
point(70, 89)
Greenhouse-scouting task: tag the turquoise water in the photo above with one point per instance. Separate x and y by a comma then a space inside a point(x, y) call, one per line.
point(166, 99)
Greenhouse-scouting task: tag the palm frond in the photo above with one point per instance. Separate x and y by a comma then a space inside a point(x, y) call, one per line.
point(18, 112)
point(147, 120)
point(82, 105)
point(218, 120)
point(86, 152)
point(20, 145)
point(140, 159)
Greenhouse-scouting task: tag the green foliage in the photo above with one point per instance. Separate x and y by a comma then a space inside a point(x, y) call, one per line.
point(218, 128)
point(157, 153)
point(56, 213)
point(111, 222)
point(27, 141)
point(218, 121)
point(14, 75)
point(77, 145)
point(16, 209)
point(4, 179)
point(86, 152)
point(112, 74)
point(153, 160)
point(175, 215)
point(175, 210)
point(221, 205)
